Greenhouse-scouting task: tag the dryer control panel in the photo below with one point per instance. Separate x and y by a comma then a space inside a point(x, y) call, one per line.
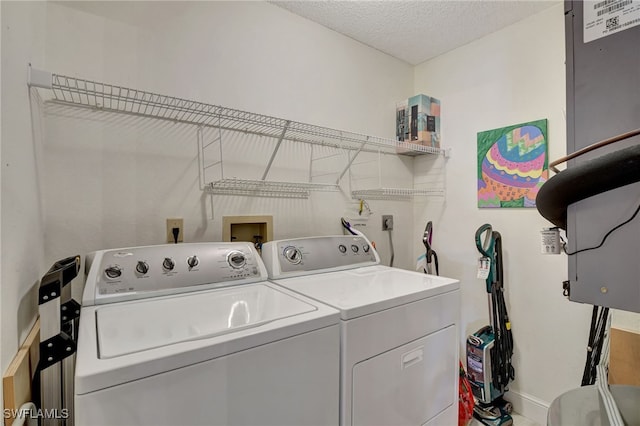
point(141, 272)
point(288, 258)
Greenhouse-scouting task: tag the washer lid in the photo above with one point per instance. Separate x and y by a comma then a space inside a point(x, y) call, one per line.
point(131, 340)
point(366, 290)
point(128, 328)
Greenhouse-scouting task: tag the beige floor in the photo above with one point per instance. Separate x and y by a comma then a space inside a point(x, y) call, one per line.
point(518, 420)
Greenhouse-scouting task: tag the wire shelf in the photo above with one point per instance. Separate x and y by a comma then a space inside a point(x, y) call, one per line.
point(261, 188)
point(79, 92)
point(394, 193)
point(91, 94)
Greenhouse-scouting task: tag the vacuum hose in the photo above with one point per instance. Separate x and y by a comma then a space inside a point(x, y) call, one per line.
point(501, 368)
point(435, 261)
point(393, 255)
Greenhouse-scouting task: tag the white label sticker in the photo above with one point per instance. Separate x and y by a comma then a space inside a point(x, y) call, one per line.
point(550, 239)
point(474, 365)
point(484, 266)
point(606, 17)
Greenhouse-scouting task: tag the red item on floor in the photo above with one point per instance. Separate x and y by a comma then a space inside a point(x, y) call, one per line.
point(465, 399)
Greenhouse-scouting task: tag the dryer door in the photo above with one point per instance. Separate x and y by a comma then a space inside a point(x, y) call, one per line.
point(408, 385)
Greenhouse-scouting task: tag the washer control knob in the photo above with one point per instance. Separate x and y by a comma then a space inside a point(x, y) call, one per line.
point(236, 259)
point(193, 261)
point(113, 272)
point(293, 255)
point(366, 248)
point(142, 267)
point(168, 264)
point(342, 248)
point(354, 248)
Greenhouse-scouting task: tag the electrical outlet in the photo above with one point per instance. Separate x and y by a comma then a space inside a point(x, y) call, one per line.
point(175, 223)
point(387, 222)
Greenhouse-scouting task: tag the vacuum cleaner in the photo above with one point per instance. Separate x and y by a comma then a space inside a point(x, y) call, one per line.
point(489, 350)
point(431, 257)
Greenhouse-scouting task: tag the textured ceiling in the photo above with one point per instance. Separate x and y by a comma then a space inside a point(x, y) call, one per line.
point(415, 31)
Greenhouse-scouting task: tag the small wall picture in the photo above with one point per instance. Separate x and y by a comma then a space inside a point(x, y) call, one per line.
point(512, 165)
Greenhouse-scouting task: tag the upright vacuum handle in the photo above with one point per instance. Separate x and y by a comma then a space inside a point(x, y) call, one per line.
point(426, 240)
point(486, 247)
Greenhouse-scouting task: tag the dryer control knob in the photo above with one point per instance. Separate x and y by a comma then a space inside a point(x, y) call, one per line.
point(142, 267)
point(168, 264)
point(113, 272)
point(354, 248)
point(193, 261)
point(293, 255)
point(236, 259)
point(366, 248)
point(342, 248)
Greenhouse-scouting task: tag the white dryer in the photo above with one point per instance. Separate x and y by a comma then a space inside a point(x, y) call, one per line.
point(399, 329)
point(193, 334)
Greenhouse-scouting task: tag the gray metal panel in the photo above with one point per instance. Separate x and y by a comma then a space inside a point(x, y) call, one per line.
point(610, 275)
point(320, 254)
point(568, 34)
point(603, 100)
point(568, 6)
point(606, 84)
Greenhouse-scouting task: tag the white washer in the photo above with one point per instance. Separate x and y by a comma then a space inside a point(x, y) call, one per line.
point(161, 343)
point(399, 329)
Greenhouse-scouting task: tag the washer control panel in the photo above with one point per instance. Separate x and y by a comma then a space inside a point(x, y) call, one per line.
point(317, 254)
point(140, 272)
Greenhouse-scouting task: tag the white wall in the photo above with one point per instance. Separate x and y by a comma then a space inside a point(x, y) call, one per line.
point(111, 180)
point(629, 321)
point(514, 75)
point(22, 229)
point(128, 174)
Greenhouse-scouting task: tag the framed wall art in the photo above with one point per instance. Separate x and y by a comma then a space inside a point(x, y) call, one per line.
point(512, 165)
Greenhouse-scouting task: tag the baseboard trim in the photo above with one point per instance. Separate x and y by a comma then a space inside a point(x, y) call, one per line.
point(528, 406)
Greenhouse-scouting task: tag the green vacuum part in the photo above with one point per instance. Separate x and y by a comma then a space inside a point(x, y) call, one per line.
point(489, 350)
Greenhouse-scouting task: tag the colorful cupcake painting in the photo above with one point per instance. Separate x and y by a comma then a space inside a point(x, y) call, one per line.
point(512, 165)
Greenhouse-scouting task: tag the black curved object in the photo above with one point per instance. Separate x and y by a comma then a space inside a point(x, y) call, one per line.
point(585, 180)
